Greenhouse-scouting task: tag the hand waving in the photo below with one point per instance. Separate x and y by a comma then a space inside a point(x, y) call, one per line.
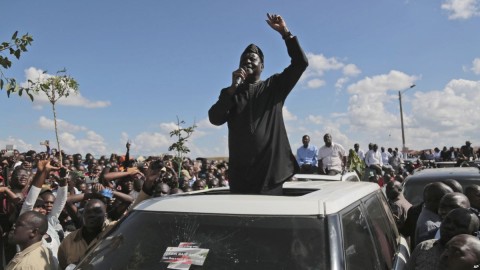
point(45, 166)
point(277, 23)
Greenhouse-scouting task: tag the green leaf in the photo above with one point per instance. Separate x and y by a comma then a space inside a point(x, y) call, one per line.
point(17, 54)
point(5, 62)
point(15, 35)
point(31, 96)
point(1, 83)
point(20, 92)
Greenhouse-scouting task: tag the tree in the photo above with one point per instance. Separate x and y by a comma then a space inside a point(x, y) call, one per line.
point(54, 87)
point(16, 46)
point(182, 134)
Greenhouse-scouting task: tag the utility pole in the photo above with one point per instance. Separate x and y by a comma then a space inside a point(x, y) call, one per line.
point(404, 148)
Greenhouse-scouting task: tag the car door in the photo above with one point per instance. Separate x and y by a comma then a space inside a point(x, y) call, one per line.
point(391, 247)
point(370, 238)
point(359, 248)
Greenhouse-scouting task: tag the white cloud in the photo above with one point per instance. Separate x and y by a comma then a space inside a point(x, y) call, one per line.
point(351, 70)
point(431, 118)
point(341, 82)
point(76, 100)
point(319, 65)
point(287, 115)
point(315, 83)
point(167, 127)
point(338, 115)
point(453, 108)
point(316, 119)
point(219, 147)
point(461, 9)
point(152, 143)
point(445, 117)
point(476, 66)
point(74, 138)
point(19, 144)
point(90, 143)
point(394, 80)
point(370, 103)
point(62, 125)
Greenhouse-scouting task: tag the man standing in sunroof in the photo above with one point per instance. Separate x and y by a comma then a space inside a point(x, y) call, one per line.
point(260, 157)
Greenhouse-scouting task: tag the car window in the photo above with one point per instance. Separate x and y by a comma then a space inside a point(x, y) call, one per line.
point(358, 244)
point(413, 191)
point(390, 217)
point(381, 228)
point(223, 241)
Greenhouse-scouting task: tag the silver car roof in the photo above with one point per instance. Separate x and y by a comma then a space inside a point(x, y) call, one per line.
point(315, 198)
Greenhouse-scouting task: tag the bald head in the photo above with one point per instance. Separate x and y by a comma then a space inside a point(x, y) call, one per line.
point(454, 185)
point(28, 229)
point(433, 193)
point(452, 201)
point(458, 221)
point(37, 220)
point(473, 194)
point(462, 252)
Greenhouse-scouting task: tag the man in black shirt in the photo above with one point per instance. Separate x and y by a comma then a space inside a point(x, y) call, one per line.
point(260, 157)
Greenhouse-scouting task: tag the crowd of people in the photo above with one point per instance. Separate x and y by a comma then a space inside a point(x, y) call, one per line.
point(443, 230)
point(374, 165)
point(56, 205)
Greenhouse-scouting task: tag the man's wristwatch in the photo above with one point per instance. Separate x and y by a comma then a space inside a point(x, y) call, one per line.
point(287, 35)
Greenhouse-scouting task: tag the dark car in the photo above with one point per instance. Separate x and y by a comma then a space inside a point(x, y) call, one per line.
point(315, 225)
point(414, 184)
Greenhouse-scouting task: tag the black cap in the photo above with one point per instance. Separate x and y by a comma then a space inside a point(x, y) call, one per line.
point(252, 48)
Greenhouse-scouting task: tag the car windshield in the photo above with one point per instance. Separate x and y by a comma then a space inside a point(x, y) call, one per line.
point(156, 240)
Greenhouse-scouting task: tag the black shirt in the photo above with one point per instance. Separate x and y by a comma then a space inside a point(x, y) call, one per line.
point(259, 150)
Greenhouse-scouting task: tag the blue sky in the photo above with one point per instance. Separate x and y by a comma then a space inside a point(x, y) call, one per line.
point(140, 64)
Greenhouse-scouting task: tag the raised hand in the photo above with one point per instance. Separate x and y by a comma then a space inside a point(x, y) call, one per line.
point(45, 166)
point(277, 23)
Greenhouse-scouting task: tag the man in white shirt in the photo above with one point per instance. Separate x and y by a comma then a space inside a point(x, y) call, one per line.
point(332, 158)
point(385, 160)
point(385, 156)
point(373, 159)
